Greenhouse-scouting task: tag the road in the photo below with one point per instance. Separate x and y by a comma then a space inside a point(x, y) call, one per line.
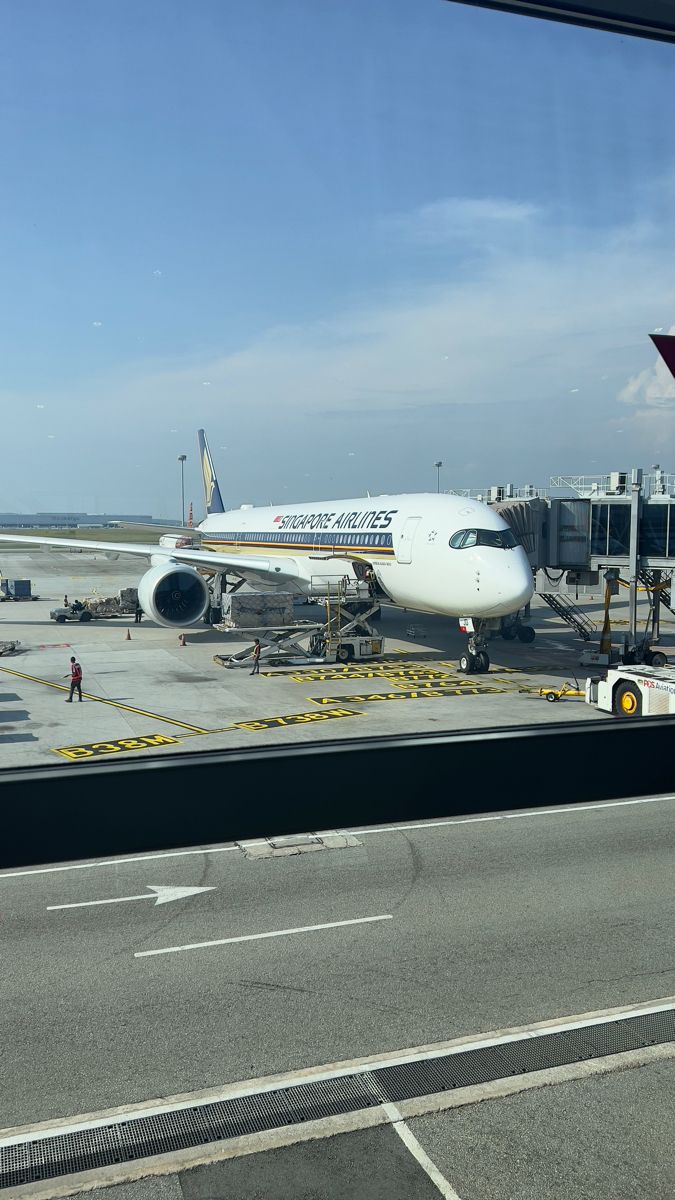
point(487, 923)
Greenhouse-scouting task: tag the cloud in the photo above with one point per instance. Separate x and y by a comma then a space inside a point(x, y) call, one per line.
point(520, 358)
point(654, 387)
point(462, 218)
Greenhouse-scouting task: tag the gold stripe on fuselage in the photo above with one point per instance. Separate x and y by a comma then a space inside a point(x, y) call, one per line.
point(307, 547)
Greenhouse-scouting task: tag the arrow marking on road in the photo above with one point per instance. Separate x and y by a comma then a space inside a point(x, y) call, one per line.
point(161, 895)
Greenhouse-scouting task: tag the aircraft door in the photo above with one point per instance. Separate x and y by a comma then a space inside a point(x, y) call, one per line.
point(405, 542)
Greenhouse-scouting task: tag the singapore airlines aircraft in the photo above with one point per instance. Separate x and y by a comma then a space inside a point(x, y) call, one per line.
point(429, 553)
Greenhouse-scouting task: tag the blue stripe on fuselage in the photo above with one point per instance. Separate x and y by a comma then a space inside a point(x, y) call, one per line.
point(370, 543)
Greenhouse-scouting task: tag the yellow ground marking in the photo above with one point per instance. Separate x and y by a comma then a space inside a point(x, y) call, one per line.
point(409, 694)
point(296, 718)
point(505, 670)
point(371, 672)
point(451, 685)
point(141, 712)
point(145, 741)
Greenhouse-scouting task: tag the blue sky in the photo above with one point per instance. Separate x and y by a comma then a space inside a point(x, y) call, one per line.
point(347, 237)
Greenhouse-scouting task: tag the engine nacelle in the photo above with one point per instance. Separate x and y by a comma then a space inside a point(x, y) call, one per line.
point(173, 594)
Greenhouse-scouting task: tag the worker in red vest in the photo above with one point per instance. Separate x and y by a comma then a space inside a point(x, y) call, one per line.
point(75, 680)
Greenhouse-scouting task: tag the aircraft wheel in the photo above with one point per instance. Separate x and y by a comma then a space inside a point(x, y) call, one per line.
point(627, 701)
point(467, 663)
point(508, 633)
point(526, 634)
point(482, 662)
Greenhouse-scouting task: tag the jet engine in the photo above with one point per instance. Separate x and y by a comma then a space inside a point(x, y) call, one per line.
point(173, 594)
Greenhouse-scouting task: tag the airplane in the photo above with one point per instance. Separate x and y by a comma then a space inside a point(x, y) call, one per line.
point(427, 552)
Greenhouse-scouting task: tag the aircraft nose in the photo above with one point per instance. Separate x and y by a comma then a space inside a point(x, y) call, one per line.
point(520, 578)
point(512, 585)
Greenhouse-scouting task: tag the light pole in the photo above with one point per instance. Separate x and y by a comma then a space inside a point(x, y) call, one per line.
point(181, 459)
point(438, 466)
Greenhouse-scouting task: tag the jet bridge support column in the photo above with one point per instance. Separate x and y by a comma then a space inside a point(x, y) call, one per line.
point(656, 608)
point(633, 553)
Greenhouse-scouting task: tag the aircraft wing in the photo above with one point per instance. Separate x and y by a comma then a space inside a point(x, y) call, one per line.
point(245, 565)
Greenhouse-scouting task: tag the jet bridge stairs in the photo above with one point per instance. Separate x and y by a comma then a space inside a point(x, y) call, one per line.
point(570, 612)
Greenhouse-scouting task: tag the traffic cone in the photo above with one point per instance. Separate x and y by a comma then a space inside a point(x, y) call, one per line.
point(181, 639)
point(128, 637)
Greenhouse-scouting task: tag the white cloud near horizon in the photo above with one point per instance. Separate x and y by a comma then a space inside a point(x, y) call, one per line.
point(518, 333)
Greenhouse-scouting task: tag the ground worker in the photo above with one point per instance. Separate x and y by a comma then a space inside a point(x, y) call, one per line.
point(256, 657)
point(138, 614)
point(65, 601)
point(75, 680)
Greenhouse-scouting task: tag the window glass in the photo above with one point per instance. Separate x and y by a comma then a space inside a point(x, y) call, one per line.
point(653, 529)
point(619, 529)
point(400, 259)
point(599, 528)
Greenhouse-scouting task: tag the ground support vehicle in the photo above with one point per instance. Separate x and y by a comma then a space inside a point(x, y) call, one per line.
point(634, 691)
point(72, 613)
point(305, 644)
point(554, 694)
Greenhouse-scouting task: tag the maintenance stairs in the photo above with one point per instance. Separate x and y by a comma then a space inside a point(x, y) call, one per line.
point(650, 580)
point(347, 615)
point(570, 613)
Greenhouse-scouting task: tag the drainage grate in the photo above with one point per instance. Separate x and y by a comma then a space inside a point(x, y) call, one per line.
point(144, 1137)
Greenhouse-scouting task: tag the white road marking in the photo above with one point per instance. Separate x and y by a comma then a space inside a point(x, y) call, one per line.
point(408, 1138)
point(117, 862)
point(516, 816)
point(254, 1087)
point(206, 850)
point(254, 937)
point(161, 895)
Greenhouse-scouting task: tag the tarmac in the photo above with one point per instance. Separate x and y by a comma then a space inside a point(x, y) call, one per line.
point(387, 941)
point(147, 694)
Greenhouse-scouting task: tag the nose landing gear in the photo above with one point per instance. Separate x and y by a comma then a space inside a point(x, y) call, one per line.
point(476, 661)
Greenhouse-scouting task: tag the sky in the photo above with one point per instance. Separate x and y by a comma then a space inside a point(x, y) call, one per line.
point(348, 237)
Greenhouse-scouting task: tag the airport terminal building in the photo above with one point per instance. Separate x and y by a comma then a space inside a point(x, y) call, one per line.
point(72, 520)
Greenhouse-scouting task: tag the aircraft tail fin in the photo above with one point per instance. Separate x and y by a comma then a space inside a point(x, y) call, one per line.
point(665, 344)
point(212, 496)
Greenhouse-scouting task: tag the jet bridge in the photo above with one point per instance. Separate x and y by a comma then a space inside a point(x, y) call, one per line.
point(617, 529)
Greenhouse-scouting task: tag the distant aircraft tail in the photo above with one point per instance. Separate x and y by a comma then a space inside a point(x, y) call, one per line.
point(212, 496)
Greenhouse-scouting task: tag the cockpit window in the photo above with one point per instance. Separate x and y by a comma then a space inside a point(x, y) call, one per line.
point(463, 538)
point(500, 539)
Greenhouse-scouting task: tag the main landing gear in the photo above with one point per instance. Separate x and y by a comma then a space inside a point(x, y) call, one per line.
point(476, 661)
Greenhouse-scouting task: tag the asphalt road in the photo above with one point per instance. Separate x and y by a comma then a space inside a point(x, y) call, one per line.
point(488, 924)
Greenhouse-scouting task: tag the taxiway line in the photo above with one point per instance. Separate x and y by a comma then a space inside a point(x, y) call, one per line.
point(141, 712)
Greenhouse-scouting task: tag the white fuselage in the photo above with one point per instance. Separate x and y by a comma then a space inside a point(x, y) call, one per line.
point(405, 539)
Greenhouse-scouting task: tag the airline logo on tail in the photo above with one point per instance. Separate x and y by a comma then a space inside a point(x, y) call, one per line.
point(214, 500)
